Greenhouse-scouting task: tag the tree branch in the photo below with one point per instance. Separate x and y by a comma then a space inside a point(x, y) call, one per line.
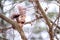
point(15, 24)
point(46, 19)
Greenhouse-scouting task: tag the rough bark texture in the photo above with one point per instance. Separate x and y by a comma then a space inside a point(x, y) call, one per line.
point(15, 24)
point(46, 19)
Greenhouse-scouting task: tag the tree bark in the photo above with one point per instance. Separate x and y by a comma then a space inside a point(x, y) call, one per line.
point(46, 19)
point(15, 24)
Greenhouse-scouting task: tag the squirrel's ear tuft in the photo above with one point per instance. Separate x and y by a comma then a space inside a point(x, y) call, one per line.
point(14, 15)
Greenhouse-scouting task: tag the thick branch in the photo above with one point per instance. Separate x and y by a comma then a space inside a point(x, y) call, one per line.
point(15, 24)
point(29, 23)
point(46, 19)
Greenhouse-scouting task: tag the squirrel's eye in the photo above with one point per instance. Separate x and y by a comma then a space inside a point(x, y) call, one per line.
point(22, 22)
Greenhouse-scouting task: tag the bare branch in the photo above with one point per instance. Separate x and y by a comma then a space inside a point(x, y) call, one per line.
point(15, 24)
point(33, 20)
point(46, 19)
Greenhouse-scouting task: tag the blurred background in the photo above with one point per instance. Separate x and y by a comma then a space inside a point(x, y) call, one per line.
point(36, 30)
